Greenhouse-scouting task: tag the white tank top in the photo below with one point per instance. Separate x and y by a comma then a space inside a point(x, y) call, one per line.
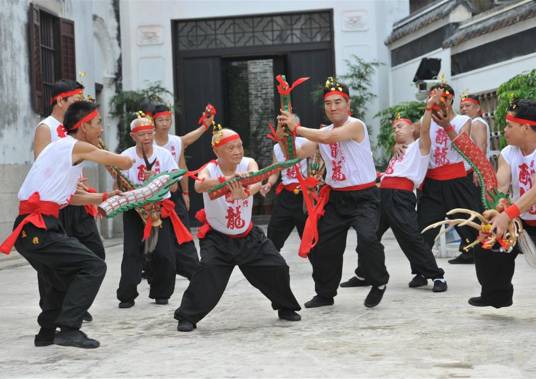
point(164, 162)
point(53, 174)
point(488, 135)
point(411, 165)
point(223, 214)
point(288, 175)
point(348, 163)
point(55, 127)
point(523, 168)
point(442, 151)
point(174, 146)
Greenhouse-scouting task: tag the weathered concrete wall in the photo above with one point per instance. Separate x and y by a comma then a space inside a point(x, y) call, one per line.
point(97, 53)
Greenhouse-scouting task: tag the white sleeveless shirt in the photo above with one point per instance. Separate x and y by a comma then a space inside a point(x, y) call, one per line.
point(488, 135)
point(174, 146)
point(348, 163)
point(223, 214)
point(441, 149)
point(288, 175)
point(55, 127)
point(53, 174)
point(523, 168)
point(164, 162)
point(411, 165)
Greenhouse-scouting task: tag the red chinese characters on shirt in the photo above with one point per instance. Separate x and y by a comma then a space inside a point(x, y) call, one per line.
point(173, 151)
point(525, 173)
point(394, 160)
point(141, 170)
point(291, 172)
point(60, 131)
point(441, 148)
point(234, 218)
point(337, 163)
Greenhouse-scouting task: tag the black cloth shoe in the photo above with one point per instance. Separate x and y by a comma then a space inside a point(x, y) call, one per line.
point(287, 314)
point(440, 286)
point(126, 304)
point(75, 338)
point(479, 302)
point(319, 301)
point(185, 326)
point(418, 281)
point(354, 281)
point(45, 337)
point(463, 258)
point(161, 301)
point(87, 317)
point(374, 296)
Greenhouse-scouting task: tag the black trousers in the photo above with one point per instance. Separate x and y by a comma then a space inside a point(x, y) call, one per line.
point(353, 209)
point(287, 214)
point(257, 258)
point(161, 264)
point(495, 270)
point(78, 224)
point(70, 274)
point(440, 196)
point(398, 213)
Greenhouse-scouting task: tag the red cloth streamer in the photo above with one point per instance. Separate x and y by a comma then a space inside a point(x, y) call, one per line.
point(34, 208)
point(470, 100)
point(182, 234)
point(87, 118)
point(210, 110)
point(141, 128)
point(273, 135)
point(404, 120)
point(226, 140)
point(161, 114)
point(91, 209)
point(283, 87)
point(522, 121)
point(289, 187)
point(310, 232)
point(327, 94)
point(66, 94)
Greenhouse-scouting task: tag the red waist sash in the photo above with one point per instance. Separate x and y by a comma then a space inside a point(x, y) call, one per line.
point(34, 208)
point(394, 182)
point(182, 234)
point(447, 172)
point(201, 216)
point(292, 187)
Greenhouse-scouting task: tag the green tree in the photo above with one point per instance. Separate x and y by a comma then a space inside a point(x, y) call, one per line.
point(358, 79)
point(125, 104)
point(522, 86)
point(411, 109)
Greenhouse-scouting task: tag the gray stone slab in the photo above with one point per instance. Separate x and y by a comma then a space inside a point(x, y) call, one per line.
point(413, 333)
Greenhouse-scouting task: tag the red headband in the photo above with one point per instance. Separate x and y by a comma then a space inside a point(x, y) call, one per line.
point(404, 120)
point(470, 100)
point(345, 95)
point(225, 140)
point(141, 128)
point(520, 120)
point(66, 94)
point(87, 118)
point(161, 114)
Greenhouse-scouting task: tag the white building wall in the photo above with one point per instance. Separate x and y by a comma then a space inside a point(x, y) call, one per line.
point(361, 28)
point(18, 121)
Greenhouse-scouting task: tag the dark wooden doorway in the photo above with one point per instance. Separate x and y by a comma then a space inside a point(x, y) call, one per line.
point(227, 62)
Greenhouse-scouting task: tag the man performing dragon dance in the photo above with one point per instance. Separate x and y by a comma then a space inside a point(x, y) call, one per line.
point(72, 273)
point(349, 199)
point(228, 237)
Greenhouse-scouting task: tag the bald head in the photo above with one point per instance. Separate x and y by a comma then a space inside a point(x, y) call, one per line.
point(225, 132)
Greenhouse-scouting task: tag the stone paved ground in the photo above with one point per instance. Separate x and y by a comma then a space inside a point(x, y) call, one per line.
point(413, 333)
